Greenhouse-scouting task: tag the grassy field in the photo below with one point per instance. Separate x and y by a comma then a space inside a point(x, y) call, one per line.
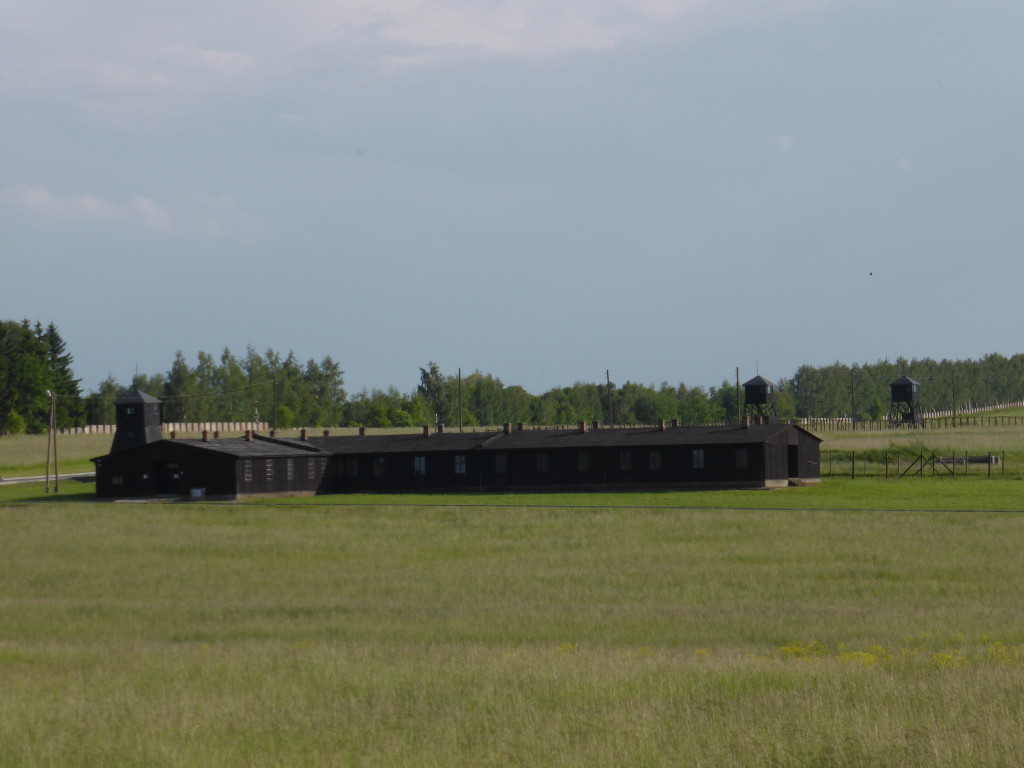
point(571, 630)
point(853, 623)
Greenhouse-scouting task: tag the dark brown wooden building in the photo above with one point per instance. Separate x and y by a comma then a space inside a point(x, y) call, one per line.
point(511, 459)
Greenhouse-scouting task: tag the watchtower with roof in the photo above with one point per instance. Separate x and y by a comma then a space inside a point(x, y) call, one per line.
point(905, 402)
point(138, 421)
point(759, 400)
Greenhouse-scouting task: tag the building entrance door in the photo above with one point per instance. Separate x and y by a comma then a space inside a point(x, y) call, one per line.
point(169, 478)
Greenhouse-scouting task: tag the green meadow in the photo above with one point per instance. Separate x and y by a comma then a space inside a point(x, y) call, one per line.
point(854, 623)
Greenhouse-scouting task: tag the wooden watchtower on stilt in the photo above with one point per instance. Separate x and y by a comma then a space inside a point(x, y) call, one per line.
point(905, 405)
point(759, 401)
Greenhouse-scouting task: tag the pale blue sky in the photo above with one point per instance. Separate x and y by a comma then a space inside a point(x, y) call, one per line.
point(666, 189)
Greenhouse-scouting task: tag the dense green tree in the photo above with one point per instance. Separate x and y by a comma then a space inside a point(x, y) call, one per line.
point(439, 392)
point(100, 404)
point(34, 361)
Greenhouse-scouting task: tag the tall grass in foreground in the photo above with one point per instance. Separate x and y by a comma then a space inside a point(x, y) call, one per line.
point(318, 636)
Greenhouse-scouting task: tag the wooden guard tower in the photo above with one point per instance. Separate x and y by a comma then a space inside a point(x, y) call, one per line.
point(905, 405)
point(138, 421)
point(759, 400)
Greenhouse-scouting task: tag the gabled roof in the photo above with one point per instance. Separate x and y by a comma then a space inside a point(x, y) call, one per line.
point(392, 443)
point(138, 396)
point(759, 381)
point(257, 448)
point(547, 439)
point(454, 442)
point(238, 447)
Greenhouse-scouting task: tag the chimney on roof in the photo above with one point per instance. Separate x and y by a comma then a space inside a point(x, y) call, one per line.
point(507, 428)
point(327, 433)
point(248, 435)
point(521, 427)
point(216, 434)
point(206, 436)
point(174, 434)
point(440, 428)
point(746, 422)
point(661, 425)
point(582, 427)
point(303, 435)
point(675, 422)
point(273, 433)
point(595, 424)
point(362, 432)
point(426, 430)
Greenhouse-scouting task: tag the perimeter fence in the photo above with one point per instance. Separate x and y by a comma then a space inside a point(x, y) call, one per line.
point(900, 464)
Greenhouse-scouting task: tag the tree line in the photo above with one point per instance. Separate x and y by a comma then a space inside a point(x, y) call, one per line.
point(278, 389)
point(281, 390)
point(34, 362)
point(862, 391)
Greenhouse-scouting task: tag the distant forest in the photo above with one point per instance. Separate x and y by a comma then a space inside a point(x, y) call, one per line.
point(281, 390)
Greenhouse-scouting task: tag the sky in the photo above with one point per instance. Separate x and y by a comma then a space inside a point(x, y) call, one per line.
point(543, 191)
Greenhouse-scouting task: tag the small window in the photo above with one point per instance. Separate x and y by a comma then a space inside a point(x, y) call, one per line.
point(269, 468)
point(741, 458)
point(583, 461)
point(625, 460)
point(698, 458)
point(311, 469)
point(460, 464)
point(247, 470)
point(542, 462)
point(289, 469)
point(117, 480)
point(378, 466)
point(419, 465)
point(501, 463)
point(654, 459)
point(323, 464)
point(129, 411)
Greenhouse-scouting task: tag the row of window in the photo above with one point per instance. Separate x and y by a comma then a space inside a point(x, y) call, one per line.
point(542, 462)
point(350, 466)
point(312, 466)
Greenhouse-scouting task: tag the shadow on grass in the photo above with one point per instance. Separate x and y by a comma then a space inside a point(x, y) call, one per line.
point(22, 493)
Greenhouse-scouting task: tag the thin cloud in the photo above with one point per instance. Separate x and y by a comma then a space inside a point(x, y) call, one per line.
point(153, 215)
point(38, 201)
point(904, 165)
point(787, 143)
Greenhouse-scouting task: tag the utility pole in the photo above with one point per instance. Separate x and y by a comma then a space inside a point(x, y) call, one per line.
point(608, 379)
point(49, 440)
point(853, 403)
point(53, 423)
point(739, 408)
point(460, 399)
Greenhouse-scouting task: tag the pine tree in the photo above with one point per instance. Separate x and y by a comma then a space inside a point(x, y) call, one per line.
point(70, 408)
